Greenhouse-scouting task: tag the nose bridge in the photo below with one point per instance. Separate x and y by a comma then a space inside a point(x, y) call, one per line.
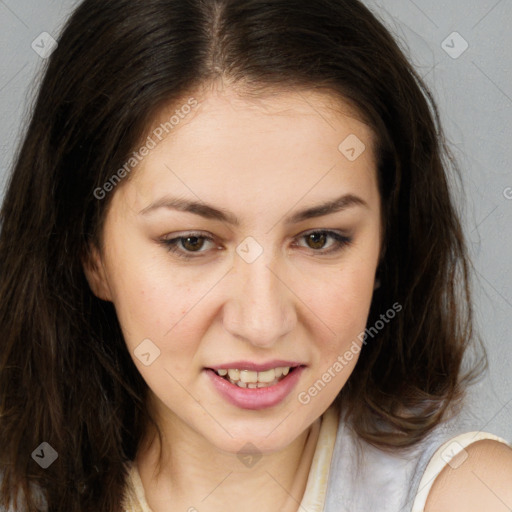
point(260, 309)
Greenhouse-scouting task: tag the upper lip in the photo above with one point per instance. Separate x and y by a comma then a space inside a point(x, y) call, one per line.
point(256, 367)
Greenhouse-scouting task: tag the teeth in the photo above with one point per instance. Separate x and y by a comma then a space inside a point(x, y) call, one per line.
point(252, 379)
point(266, 376)
point(248, 376)
point(234, 374)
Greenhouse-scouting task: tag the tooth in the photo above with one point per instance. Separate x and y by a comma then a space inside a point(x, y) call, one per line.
point(234, 374)
point(267, 375)
point(270, 376)
point(241, 384)
point(252, 385)
point(248, 376)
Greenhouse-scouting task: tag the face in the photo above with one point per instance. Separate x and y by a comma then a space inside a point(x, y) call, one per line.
point(254, 277)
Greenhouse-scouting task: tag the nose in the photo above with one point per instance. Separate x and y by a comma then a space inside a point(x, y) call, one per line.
point(260, 308)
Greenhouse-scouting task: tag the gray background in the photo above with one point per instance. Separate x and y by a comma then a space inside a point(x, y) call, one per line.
point(474, 93)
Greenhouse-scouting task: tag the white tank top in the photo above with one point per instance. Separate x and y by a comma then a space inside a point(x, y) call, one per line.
point(349, 475)
point(397, 482)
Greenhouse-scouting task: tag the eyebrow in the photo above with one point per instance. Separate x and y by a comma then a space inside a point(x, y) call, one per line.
point(209, 212)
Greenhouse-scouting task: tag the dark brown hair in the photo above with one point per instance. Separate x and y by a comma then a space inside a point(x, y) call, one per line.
point(66, 377)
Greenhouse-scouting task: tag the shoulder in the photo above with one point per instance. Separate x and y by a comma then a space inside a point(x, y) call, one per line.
point(476, 477)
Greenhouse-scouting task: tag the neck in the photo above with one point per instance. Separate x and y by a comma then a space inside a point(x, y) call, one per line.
point(195, 475)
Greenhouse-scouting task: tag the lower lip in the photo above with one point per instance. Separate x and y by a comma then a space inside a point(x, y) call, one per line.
point(257, 398)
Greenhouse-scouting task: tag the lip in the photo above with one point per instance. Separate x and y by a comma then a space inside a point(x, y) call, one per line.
point(255, 367)
point(258, 398)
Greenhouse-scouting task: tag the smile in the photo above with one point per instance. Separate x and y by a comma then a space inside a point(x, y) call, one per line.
point(244, 389)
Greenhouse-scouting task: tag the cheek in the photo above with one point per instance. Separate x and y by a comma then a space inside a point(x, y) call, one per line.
point(343, 296)
point(151, 300)
point(341, 304)
point(152, 312)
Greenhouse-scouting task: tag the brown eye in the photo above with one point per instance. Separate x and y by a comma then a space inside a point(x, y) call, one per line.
point(185, 246)
point(192, 243)
point(317, 239)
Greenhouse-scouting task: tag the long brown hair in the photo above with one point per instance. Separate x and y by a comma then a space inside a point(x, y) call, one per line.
point(66, 377)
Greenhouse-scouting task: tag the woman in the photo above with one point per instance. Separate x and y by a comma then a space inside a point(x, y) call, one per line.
point(232, 272)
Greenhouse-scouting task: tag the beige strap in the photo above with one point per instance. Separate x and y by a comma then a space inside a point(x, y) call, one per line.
point(316, 487)
point(442, 457)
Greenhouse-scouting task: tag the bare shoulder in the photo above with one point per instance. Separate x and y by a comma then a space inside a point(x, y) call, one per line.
point(480, 480)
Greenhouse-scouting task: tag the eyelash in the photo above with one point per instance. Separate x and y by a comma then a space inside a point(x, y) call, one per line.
point(341, 242)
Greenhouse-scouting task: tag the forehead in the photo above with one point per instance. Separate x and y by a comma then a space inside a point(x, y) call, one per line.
point(229, 110)
point(232, 146)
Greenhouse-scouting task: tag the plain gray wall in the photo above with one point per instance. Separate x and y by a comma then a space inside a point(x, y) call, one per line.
point(473, 89)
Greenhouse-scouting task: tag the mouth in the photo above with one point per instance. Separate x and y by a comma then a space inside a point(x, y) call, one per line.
point(251, 389)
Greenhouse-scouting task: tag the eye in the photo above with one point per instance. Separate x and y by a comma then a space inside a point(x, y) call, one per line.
point(185, 246)
point(317, 239)
point(192, 243)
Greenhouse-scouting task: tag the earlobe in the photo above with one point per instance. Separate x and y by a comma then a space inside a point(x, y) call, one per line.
point(377, 281)
point(95, 274)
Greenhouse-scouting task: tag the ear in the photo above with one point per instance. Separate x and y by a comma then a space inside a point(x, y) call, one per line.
point(378, 271)
point(95, 274)
point(377, 283)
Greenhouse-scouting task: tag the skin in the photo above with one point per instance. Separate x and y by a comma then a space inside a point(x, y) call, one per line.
point(482, 481)
point(262, 159)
